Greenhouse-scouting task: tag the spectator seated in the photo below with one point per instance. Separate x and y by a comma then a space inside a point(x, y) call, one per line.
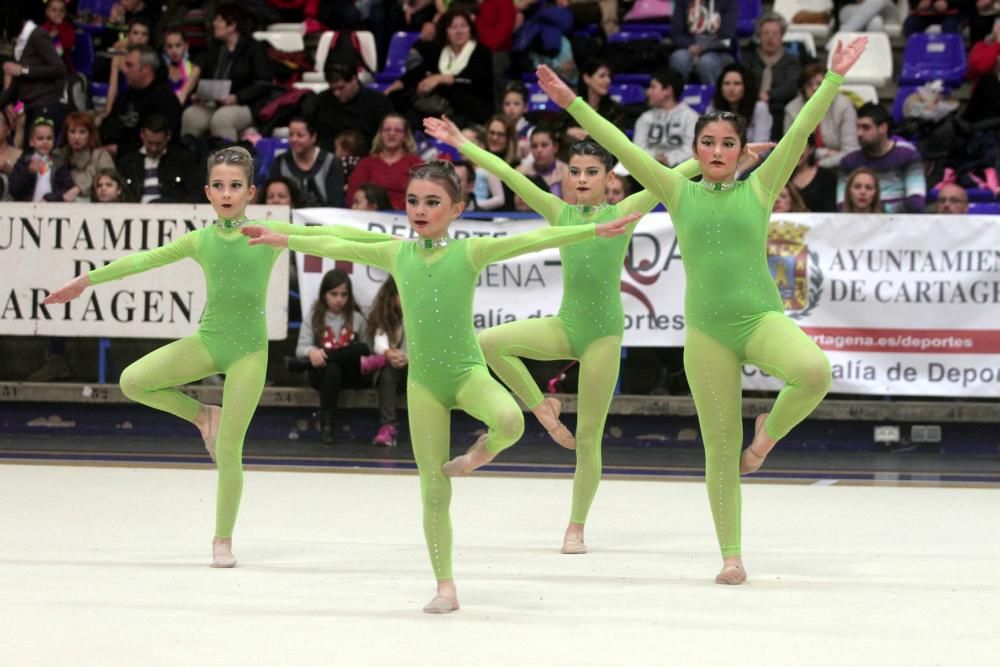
point(934, 56)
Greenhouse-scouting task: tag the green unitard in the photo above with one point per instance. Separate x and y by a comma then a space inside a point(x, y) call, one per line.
point(732, 308)
point(590, 323)
point(231, 339)
point(446, 367)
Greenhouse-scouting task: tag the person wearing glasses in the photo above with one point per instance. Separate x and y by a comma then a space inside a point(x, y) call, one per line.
point(733, 311)
point(437, 277)
point(231, 338)
point(393, 156)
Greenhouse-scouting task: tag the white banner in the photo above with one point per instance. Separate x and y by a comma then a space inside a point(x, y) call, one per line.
point(44, 245)
point(903, 305)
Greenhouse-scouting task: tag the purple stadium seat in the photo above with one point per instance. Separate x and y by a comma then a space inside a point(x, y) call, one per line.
point(83, 53)
point(380, 86)
point(395, 57)
point(749, 11)
point(265, 151)
point(538, 100)
point(981, 195)
point(933, 56)
point(627, 93)
point(635, 36)
point(698, 97)
point(984, 208)
point(662, 28)
point(636, 78)
point(101, 7)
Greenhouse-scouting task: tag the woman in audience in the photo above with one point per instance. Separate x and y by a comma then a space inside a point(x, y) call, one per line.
point(837, 134)
point(818, 185)
point(789, 201)
point(81, 149)
point(862, 193)
point(593, 88)
point(393, 155)
point(736, 91)
point(317, 171)
point(281, 191)
point(9, 153)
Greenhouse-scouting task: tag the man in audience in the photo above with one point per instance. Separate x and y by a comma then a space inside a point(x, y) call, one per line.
point(146, 94)
point(666, 131)
point(348, 105)
point(159, 172)
point(774, 68)
point(953, 199)
point(702, 36)
point(37, 77)
point(897, 162)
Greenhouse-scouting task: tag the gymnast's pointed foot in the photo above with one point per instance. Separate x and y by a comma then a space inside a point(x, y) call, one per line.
point(753, 456)
point(573, 540)
point(548, 412)
point(222, 552)
point(208, 423)
point(446, 600)
point(477, 456)
point(732, 573)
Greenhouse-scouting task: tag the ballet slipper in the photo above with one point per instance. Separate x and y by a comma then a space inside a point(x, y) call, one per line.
point(222, 552)
point(573, 545)
point(441, 604)
point(732, 574)
point(475, 457)
point(559, 432)
point(751, 461)
point(212, 431)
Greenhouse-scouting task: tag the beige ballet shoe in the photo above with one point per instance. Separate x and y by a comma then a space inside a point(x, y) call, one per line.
point(751, 461)
point(222, 553)
point(573, 545)
point(440, 604)
point(466, 463)
point(213, 429)
point(731, 575)
point(559, 432)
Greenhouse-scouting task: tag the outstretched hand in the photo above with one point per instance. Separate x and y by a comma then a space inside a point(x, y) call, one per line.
point(69, 291)
point(616, 227)
point(751, 156)
point(554, 87)
point(844, 57)
point(443, 129)
point(263, 236)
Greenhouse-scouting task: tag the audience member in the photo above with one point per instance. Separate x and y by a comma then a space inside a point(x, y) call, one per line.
point(388, 340)
point(348, 105)
point(862, 192)
point(666, 130)
point(393, 155)
point(109, 188)
point(9, 153)
point(522, 206)
point(952, 200)
point(137, 35)
point(544, 163)
point(985, 54)
point(467, 180)
point(80, 148)
point(242, 61)
point(370, 197)
point(775, 69)
point(317, 171)
point(349, 146)
point(161, 172)
point(124, 11)
point(896, 163)
point(736, 91)
point(951, 15)
point(789, 200)
point(145, 95)
point(38, 77)
point(702, 35)
point(281, 191)
point(618, 188)
point(837, 133)
point(865, 15)
point(501, 139)
point(182, 74)
point(61, 31)
point(817, 185)
point(594, 85)
point(495, 21)
point(40, 174)
point(514, 106)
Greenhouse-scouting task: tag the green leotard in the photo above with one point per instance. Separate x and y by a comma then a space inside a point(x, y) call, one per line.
point(590, 323)
point(733, 311)
point(446, 367)
point(231, 339)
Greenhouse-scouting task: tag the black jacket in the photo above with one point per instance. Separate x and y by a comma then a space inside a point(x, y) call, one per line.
point(46, 78)
point(131, 108)
point(22, 182)
point(248, 67)
point(179, 173)
point(364, 113)
point(471, 96)
point(323, 185)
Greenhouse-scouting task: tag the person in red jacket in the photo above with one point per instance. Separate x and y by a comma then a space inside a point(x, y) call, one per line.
point(393, 155)
point(61, 30)
point(984, 54)
point(495, 25)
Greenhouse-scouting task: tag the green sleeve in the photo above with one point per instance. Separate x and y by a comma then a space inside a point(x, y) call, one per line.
point(144, 261)
point(775, 171)
point(379, 255)
point(486, 250)
point(645, 201)
point(545, 204)
point(662, 181)
point(344, 232)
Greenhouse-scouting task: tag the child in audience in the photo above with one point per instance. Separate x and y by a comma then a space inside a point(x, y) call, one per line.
point(371, 197)
point(385, 324)
point(39, 175)
point(109, 187)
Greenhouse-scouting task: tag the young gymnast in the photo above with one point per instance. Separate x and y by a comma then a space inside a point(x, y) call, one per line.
point(591, 320)
point(232, 336)
point(733, 311)
point(437, 276)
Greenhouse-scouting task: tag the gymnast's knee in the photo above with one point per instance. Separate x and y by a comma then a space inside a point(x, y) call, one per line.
point(489, 343)
point(509, 426)
point(817, 375)
point(131, 383)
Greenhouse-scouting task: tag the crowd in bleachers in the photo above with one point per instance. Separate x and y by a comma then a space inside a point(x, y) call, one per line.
point(331, 95)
